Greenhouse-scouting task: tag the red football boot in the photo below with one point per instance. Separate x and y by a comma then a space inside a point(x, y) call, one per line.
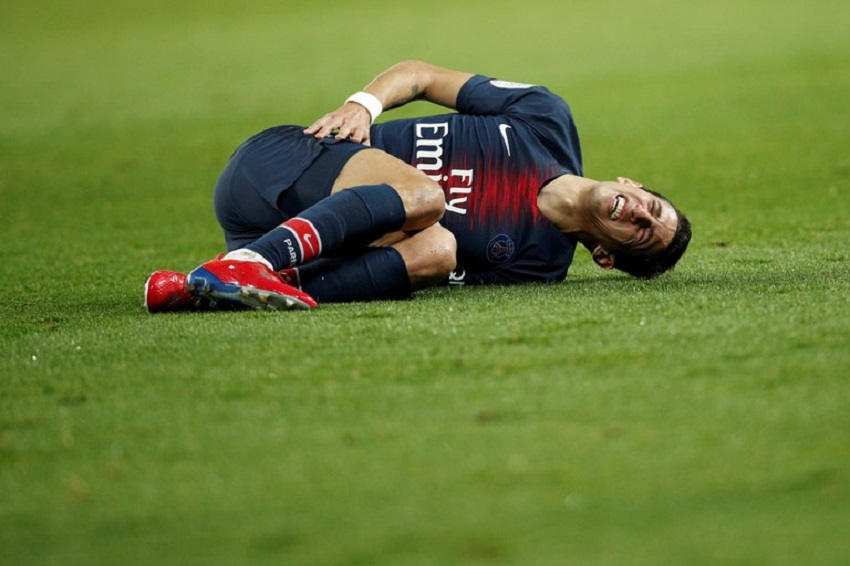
point(247, 283)
point(291, 276)
point(168, 291)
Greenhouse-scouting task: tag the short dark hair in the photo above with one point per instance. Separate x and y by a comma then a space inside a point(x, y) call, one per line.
point(649, 266)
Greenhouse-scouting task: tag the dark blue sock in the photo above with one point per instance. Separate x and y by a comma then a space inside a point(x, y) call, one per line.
point(376, 274)
point(351, 217)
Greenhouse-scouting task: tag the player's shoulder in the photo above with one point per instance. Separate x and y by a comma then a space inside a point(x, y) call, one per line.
point(483, 84)
point(486, 95)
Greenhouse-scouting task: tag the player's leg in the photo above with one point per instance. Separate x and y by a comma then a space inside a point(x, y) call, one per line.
point(387, 195)
point(419, 260)
point(429, 256)
point(388, 272)
point(423, 199)
point(374, 193)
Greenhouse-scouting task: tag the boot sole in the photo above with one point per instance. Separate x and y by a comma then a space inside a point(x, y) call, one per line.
point(205, 284)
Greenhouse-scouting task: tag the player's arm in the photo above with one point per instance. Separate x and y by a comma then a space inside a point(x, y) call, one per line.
point(398, 85)
point(415, 80)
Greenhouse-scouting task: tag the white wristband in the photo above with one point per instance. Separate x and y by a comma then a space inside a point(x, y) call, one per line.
point(368, 101)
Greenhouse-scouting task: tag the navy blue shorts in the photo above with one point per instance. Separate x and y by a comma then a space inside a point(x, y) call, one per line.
point(272, 177)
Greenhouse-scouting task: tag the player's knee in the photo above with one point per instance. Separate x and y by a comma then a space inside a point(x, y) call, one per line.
point(424, 201)
point(434, 201)
point(431, 201)
point(443, 252)
point(432, 256)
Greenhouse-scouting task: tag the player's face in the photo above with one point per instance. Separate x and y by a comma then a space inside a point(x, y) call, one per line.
point(631, 219)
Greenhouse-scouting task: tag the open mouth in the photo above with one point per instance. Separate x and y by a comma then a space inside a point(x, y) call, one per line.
point(619, 205)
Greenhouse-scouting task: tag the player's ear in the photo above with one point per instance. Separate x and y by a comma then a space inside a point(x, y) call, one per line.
point(602, 257)
point(627, 181)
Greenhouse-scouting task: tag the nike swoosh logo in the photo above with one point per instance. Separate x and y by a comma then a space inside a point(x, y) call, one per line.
point(309, 240)
point(503, 130)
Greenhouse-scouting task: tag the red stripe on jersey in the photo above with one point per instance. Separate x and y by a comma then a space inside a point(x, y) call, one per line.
point(504, 195)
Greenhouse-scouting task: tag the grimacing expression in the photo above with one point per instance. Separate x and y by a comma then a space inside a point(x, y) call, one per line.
point(631, 219)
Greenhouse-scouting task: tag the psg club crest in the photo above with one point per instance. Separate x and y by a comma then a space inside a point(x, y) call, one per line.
point(500, 248)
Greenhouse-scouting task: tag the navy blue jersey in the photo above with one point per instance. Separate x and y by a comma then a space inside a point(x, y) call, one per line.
point(492, 158)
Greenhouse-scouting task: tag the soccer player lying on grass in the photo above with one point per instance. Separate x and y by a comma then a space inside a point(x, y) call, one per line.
point(345, 210)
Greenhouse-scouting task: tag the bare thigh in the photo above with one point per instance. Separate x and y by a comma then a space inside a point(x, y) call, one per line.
point(374, 167)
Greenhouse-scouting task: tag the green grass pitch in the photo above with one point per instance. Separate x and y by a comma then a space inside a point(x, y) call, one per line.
point(702, 418)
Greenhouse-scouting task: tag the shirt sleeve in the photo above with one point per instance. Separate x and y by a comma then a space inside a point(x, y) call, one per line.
point(546, 113)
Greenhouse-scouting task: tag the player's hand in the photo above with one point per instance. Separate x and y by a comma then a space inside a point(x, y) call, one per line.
point(349, 121)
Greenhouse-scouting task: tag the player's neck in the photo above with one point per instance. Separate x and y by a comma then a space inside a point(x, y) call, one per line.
point(564, 202)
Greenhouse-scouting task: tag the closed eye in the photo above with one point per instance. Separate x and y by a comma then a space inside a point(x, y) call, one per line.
point(645, 238)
